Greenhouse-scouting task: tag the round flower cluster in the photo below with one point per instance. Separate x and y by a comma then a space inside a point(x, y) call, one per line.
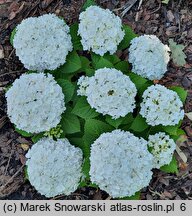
point(35, 102)
point(100, 30)
point(161, 106)
point(162, 148)
point(109, 91)
point(120, 163)
point(149, 57)
point(54, 167)
point(42, 42)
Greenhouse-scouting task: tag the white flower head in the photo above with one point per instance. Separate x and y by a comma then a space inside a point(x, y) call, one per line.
point(109, 91)
point(42, 42)
point(100, 30)
point(162, 148)
point(161, 106)
point(54, 167)
point(149, 57)
point(35, 102)
point(120, 163)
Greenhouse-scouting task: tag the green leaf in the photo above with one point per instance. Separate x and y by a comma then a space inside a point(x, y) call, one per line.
point(83, 109)
point(103, 63)
point(87, 4)
point(144, 87)
point(138, 80)
point(68, 89)
point(171, 130)
point(76, 39)
point(26, 176)
point(90, 72)
point(129, 35)
point(172, 167)
point(177, 53)
point(23, 133)
point(85, 63)
point(93, 129)
point(95, 59)
point(70, 123)
point(86, 167)
point(114, 122)
point(137, 196)
point(139, 124)
point(73, 63)
point(13, 35)
point(114, 59)
point(122, 66)
point(37, 137)
point(181, 92)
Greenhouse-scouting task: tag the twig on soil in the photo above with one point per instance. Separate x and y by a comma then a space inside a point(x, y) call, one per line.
point(127, 7)
point(5, 173)
point(74, 194)
point(155, 192)
point(11, 53)
point(3, 120)
point(156, 9)
point(12, 72)
point(137, 14)
point(12, 177)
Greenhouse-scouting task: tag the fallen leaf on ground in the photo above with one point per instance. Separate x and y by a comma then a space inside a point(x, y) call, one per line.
point(177, 55)
point(189, 115)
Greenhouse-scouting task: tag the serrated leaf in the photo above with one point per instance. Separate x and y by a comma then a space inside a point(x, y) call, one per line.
point(122, 66)
point(103, 63)
point(172, 167)
point(23, 133)
point(139, 124)
point(83, 109)
point(93, 129)
point(68, 89)
point(76, 39)
point(73, 64)
point(177, 53)
point(87, 4)
point(181, 92)
point(129, 35)
point(70, 123)
point(37, 137)
point(137, 80)
point(13, 35)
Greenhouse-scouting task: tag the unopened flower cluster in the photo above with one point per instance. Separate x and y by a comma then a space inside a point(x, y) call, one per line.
point(162, 148)
point(161, 106)
point(100, 30)
point(35, 102)
point(42, 42)
point(109, 91)
point(120, 163)
point(149, 57)
point(55, 132)
point(54, 167)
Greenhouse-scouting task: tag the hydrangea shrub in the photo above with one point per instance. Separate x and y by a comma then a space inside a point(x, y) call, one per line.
point(123, 123)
